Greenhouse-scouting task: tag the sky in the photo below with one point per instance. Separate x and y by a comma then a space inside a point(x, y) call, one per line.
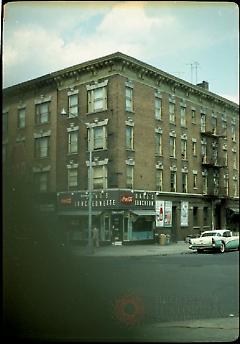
point(194, 41)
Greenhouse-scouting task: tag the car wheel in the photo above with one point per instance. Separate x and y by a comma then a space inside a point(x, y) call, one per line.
point(222, 248)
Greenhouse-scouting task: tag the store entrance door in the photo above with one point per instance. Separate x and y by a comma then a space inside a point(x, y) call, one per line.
point(117, 227)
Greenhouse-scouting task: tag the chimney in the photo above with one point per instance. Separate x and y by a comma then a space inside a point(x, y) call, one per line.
point(204, 84)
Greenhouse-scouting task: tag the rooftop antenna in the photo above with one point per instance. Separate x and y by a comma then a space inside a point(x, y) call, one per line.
point(191, 64)
point(196, 64)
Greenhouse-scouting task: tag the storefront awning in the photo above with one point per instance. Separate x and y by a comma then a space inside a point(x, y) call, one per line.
point(144, 212)
point(78, 213)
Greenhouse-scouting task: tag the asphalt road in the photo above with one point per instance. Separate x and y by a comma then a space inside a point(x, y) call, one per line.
point(54, 296)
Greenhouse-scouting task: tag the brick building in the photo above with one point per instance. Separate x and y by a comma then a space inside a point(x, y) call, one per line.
point(158, 141)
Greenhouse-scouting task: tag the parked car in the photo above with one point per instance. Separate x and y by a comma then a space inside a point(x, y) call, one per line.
point(191, 236)
point(220, 240)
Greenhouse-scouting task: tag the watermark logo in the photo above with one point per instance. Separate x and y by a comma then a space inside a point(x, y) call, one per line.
point(129, 309)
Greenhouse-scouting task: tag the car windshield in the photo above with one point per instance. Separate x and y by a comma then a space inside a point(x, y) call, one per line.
point(209, 234)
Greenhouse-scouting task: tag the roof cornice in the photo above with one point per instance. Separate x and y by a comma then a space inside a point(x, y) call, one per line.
point(142, 69)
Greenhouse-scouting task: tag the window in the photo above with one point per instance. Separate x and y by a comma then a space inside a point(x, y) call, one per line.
point(184, 182)
point(195, 181)
point(41, 181)
point(21, 118)
point(235, 188)
point(129, 137)
point(183, 116)
point(203, 122)
point(193, 116)
point(195, 216)
point(97, 99)
point(194, 148)
point(173, 180)
point(159, 180)
point(42, 113)
point(129, 181)
point(129, 99)
point(72, 178)
point(172, 118)
point(234, 160)
point(215, 182)
point(184, 149)
point(73, 105)
point(158, 143)
point(224, 127)
point(42, 147)
point(172, 146)
point(205, 216)
point(233, 132)
point(204, 151)
point(5, 123)
point(99, 177)
point(205, 183)
point(225, 157)
point(158, 108)
point(214, 124)
point(73, 142)
point(99, 137)
point(225, 185)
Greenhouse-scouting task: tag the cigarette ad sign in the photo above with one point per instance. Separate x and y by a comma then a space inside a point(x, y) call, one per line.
point(163, 213)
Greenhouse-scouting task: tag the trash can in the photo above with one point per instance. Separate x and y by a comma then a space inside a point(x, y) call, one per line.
point(168, 238)
point(162, 239)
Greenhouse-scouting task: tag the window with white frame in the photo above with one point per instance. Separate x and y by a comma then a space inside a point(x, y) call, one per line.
point(233, 132)
point(184, 182)
point(42, 113)
point(173, 181)
point(203, 122)
point(184, 149)
point(129, 176)
point(172, 147)
point(194, 116)
point(99, 137)
point(73, 142)
point(205, 182)
point(42, 147)
point(97, 99)
point(72, 178)
point(195, 180)
point(159, 180)
point(129, 98)
point(194, 148)
point(172, 117)
point(183, 116)
point(158, 143)
point(129, 137)
point(158, 108)
point(99, 177)
point(21, 118)
point(214, 124)
point(73, 105)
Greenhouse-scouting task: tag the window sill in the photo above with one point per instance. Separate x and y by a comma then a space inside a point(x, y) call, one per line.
point(96, 111)
point(130, 111)
point(130, 150)
point(173, 157)
point(71, 153)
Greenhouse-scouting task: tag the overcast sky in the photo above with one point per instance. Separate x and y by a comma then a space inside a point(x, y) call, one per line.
point(43, 37)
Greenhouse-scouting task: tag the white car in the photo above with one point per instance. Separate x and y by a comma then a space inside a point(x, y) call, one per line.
point(215, 240)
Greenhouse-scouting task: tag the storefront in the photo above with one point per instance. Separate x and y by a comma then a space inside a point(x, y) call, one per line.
point(120, 215)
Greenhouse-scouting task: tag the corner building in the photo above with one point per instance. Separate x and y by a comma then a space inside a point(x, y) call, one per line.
point(165, 151)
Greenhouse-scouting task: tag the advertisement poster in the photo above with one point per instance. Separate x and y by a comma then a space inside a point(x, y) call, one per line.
point(168, 214)
point(159, 213)
point(184, 214)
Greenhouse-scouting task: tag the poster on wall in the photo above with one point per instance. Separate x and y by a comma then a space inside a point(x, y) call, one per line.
point(159, 207)
point(184, 214)
point(168, 214)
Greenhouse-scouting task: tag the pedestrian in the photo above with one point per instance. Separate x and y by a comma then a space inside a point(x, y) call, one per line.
point(95, 237)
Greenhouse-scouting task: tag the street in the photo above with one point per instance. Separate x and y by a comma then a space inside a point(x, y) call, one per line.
point(116, 298)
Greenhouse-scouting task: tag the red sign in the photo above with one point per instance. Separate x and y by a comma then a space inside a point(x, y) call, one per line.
point(66, 200)
point(126, 199)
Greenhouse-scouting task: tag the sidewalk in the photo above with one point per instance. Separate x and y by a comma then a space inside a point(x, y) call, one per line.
point(134, 250)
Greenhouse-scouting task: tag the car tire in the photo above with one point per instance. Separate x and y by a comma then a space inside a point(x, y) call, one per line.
point(222, 248)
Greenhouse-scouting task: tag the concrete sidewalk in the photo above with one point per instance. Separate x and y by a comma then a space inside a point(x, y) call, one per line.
point(134, 250)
